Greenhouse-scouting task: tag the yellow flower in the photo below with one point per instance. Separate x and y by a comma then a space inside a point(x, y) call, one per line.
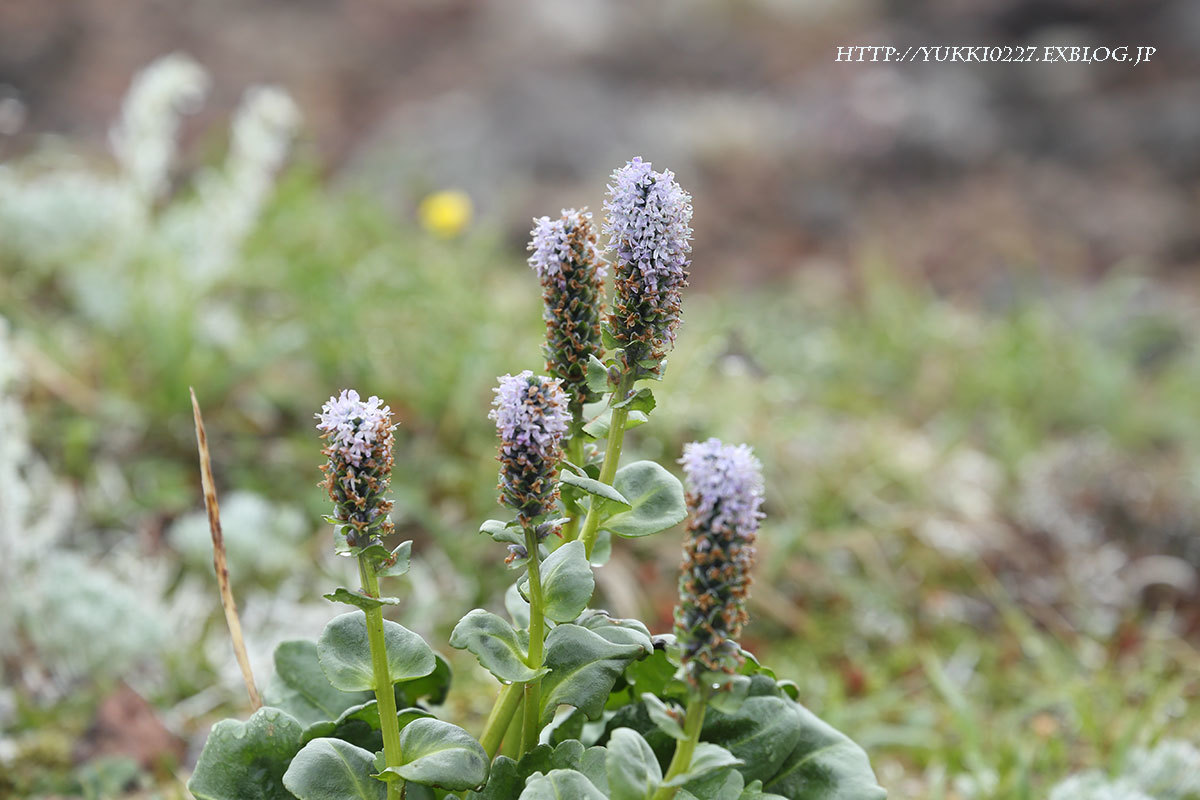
point(446, 214)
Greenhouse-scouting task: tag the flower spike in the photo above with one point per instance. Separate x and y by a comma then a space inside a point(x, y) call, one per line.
point(725, 494)
point(572, 273)
point(648, 218)
point(531, 418)
point(358, 444)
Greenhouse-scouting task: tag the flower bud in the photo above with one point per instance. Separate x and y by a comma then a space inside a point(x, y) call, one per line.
point(531, 418)
point(572, 275)
point(358, 444)
point(725, 494)
point(648, 218)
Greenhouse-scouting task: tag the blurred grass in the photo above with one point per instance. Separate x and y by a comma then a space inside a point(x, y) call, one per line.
point(860, 392)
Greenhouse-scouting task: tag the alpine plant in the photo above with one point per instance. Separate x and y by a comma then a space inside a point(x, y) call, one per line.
point(647, 221)
point(725, 494)
point(571, 271)
point(358, 471)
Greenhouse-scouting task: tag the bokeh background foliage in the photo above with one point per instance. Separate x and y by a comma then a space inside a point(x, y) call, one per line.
point(970, 372)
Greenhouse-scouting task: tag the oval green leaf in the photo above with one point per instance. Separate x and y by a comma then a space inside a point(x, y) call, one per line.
point(567, 582)
point(436, 753)
point(330, 769)
point(633, 771)
point(560, 784)
point(247, 759)
point(300, 687)
point(345, 654)
point(500, 650)
point(583, 668)
point(655, 496)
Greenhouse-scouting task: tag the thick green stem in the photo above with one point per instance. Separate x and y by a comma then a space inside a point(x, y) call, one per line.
point(502, 714)
point(537, 637)
point(681, 762)
point(384, 693)
point(570, 531)
point(612, 457)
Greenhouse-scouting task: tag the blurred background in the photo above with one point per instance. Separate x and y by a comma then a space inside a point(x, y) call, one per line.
point(951, 306)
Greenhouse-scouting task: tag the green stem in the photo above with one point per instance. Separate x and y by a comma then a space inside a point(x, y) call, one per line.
point(384, 693)
point(501, 716)
point(570, 531)
point(537, 637)
point(681, 762)
point(512, 737)
point(612, 456)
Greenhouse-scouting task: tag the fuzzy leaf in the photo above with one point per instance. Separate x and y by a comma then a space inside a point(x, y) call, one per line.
point(596, 488)
point(633, 771)
point(436, 753)
point(330, 769)
point(345, 654)
point(598, 428)
point(597, 375)
point(501, 532)
point(656, 499)
point(401, 558)
point(583, 668)
point(706, 759)
point(300, 687)
point(432, 687)
point(567, 582)
point(359, 600)
point(667, 718)
point(642, 400)
point(615, 630)
point(501, 650)
point(247, 759)
point(516, 606)
point(560, 784)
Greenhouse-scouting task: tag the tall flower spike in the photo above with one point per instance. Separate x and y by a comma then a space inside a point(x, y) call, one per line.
point(358, 444)
point(531, 418)
point(725, 494)
point(572, 275)
point(648, 218)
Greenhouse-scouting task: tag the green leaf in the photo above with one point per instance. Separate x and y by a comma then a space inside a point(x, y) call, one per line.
point(517, 607)
point(432, 687)
point(597, 375)
point(502, 533)
point(345, 654)
point(595, 488)
point(633, 771)
point(793, 752)
point(300, 687)
point(583, 668)
point(401, 559)
point(436, 753)
point(654, 673)
point(247, 759)
point(360, 600)
point(598, 427)
point(667, 718)
point(501, 650)
point(642, 400)
point(707, 758)
point(722, 784)
point(602, 549)
point(616, 630)
point(656, 498)
point(330, 769)
point(567, 582)
point(503, 783)
point(755, 792)
point(560, 784)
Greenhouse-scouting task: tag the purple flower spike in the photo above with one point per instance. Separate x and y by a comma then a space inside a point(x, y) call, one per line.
point(358, 444)
point(725, 494)
point(531, 418)
point(648, 217)
point(572, 276)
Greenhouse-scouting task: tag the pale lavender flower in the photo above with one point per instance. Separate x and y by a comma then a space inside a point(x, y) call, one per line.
point(647, 222)
point(554, 247)
point(726, 484)
point(353, 427)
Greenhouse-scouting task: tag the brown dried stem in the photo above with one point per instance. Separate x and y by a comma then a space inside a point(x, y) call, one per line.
point(219, 564)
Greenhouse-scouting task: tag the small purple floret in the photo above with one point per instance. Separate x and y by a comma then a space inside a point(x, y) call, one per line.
point(647, 220)
point(354, 426)
point(524, 419)
point(551, 246)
